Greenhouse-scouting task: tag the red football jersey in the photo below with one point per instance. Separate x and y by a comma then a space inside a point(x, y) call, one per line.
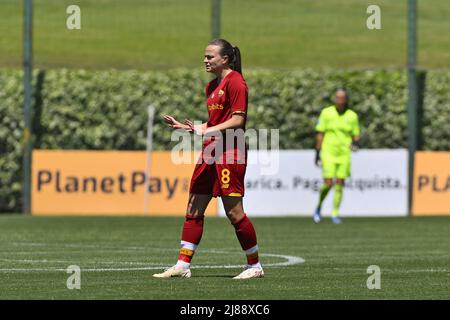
point(224, 99)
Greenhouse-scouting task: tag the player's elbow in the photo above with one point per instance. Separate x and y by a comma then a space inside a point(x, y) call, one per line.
point(238, 121)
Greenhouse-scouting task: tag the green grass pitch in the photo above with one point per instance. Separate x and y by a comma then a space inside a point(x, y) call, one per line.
point(117, 256)
point(285, 34)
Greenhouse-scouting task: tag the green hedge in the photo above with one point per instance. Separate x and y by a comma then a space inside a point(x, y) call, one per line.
point(436, 112)
point(77, 109)
point(11, 130)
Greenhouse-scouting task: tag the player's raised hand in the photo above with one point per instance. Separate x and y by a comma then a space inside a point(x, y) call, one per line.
point(170, 120)
point(173, 123)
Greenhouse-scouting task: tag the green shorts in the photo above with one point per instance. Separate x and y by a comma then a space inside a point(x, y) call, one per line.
point(335, 168)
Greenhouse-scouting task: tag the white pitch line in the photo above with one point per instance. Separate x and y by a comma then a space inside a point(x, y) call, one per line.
point(71, 262)
point(6, 270)
point(84, 246)
point(290, 260)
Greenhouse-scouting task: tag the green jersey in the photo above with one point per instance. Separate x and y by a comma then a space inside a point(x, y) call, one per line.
point(338, 131)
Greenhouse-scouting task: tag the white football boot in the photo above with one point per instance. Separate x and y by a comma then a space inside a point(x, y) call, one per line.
point(317, 216)
point(174, 272)
point(250, 272)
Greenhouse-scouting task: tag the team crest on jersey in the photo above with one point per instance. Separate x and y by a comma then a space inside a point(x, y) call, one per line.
point(221, 92)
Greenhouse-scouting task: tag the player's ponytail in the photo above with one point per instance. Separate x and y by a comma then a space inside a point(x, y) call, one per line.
point(237, 60)
point(233, 53)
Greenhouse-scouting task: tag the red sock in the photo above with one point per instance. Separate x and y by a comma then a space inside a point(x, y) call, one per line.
point(246, 235)
point(192, 233)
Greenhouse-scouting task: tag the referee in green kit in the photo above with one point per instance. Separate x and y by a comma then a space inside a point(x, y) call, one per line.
point(337, 135)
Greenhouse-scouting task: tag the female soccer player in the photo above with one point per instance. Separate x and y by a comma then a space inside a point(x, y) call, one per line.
point(221, 168)
point(337, 134)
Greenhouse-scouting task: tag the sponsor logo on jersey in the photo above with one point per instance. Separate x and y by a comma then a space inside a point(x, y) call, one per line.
point(215, 106)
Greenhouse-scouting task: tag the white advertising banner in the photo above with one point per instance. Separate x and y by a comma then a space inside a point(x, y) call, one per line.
point(377, 187)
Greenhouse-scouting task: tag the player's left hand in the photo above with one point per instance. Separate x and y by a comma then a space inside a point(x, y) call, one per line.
point(355, 146)
point(197, 129)
point(317, 160)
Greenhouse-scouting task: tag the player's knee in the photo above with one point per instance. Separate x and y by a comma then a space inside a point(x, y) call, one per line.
point(192, 215)
point(195, 215)
point(189, 211)
point(235, 214)
point(197, 205)
point(193, 211)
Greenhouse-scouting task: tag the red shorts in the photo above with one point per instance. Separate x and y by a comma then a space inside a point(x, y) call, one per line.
point(218, 179)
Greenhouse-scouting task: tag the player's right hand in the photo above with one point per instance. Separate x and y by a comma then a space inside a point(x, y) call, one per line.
point(174, 124)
